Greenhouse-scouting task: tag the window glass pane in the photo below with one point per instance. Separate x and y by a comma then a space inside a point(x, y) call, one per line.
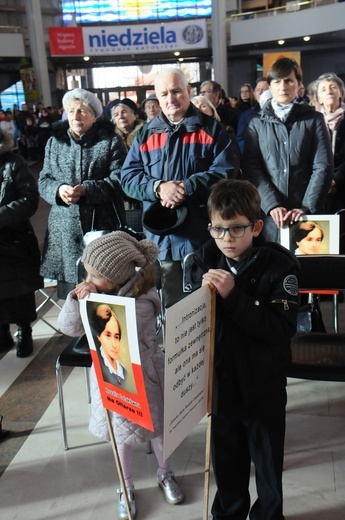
point(13, 95)
point(87, 11)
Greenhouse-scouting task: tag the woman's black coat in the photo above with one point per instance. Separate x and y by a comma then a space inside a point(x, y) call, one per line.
point(19, 251)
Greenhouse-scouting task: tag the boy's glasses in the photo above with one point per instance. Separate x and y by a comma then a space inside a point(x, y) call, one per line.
point(235, 231)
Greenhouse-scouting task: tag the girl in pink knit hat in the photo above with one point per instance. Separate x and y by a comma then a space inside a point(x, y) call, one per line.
point(118, 264)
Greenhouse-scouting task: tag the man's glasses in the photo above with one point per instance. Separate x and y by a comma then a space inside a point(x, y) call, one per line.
point(235, 231)
point(203, 92)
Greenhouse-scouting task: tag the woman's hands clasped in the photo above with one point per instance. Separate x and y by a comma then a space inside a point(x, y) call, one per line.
point(71, 195)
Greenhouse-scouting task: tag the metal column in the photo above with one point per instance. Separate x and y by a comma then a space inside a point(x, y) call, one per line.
point(38, 49)
point(219, 43)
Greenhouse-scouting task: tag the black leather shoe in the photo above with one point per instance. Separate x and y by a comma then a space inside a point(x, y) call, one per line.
point(25, 344)
point(6, 340)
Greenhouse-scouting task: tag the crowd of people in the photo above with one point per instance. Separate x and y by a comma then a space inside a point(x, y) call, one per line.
point(30, 128)
point(216, 177)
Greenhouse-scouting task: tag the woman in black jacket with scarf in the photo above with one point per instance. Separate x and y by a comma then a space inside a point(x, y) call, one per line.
point(19, 251)
point(287, 153)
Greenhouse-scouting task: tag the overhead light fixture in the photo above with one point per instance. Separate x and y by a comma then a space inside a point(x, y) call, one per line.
point(86, 58)
point(306, 38)
point(177, 53)
point(281, 42)
point(181, 59)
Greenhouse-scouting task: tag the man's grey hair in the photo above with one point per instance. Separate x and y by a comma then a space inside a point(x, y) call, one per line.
point(91, 102)
point(215, 86)
point(171, 70)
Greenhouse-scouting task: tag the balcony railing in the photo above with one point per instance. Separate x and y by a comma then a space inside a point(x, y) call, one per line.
point(263, 8)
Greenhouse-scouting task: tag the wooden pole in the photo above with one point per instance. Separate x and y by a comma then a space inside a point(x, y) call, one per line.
point(118, 464)
point(209, 403)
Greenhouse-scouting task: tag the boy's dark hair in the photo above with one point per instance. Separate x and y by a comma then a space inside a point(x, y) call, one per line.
point(231, 197)
point(282, 68)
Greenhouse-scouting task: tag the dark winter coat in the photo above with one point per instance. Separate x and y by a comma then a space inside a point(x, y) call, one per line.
point(198, 153)
point(229, 115)
point(336, 201)
point(243, 122)
point(254, 325)
point(290, 163)
point(19, 251)
point(44, 131)
point(94, 161)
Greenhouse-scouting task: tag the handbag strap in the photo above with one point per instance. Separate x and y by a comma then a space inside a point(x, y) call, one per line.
point(118, 218)
point(121, 223)
point(93, 219)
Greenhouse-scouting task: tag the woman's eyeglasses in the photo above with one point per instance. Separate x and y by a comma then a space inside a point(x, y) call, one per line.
point(235, 231)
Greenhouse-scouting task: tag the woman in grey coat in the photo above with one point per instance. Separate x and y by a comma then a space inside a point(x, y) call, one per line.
point(80, 179)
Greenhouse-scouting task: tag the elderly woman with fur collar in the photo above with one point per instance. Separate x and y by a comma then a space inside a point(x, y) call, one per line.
point(80, 179)
point(19, 251)
point(124, 116)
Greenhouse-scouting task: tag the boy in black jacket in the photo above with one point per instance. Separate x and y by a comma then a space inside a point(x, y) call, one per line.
point(256, 317)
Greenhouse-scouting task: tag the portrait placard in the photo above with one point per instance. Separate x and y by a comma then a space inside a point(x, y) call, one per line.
point(111, 330)
point(312, 235)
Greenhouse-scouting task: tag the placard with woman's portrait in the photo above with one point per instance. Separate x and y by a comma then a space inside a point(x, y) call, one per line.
point(312, 235)
point(110, 326)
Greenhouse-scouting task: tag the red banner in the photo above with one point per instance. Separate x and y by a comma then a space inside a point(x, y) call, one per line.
point(66, 41)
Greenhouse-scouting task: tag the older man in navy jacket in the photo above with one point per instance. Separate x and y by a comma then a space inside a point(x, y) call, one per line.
point(175, 159)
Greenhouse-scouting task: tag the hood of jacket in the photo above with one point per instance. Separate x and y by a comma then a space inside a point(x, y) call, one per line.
point(102, 128)
point(6, 142)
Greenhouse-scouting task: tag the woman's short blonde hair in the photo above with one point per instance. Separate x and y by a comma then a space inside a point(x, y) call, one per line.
point(197, 100)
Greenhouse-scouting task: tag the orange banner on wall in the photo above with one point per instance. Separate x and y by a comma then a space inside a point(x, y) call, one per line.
point(271, 57)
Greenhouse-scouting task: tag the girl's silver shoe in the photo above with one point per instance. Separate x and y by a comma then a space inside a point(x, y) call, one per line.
point(171, 490)
point(121, 503)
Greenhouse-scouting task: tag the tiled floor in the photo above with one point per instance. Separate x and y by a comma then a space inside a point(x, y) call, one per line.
point(42, 481)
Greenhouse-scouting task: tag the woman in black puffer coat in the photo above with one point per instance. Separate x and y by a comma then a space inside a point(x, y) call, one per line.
point(19, 251)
